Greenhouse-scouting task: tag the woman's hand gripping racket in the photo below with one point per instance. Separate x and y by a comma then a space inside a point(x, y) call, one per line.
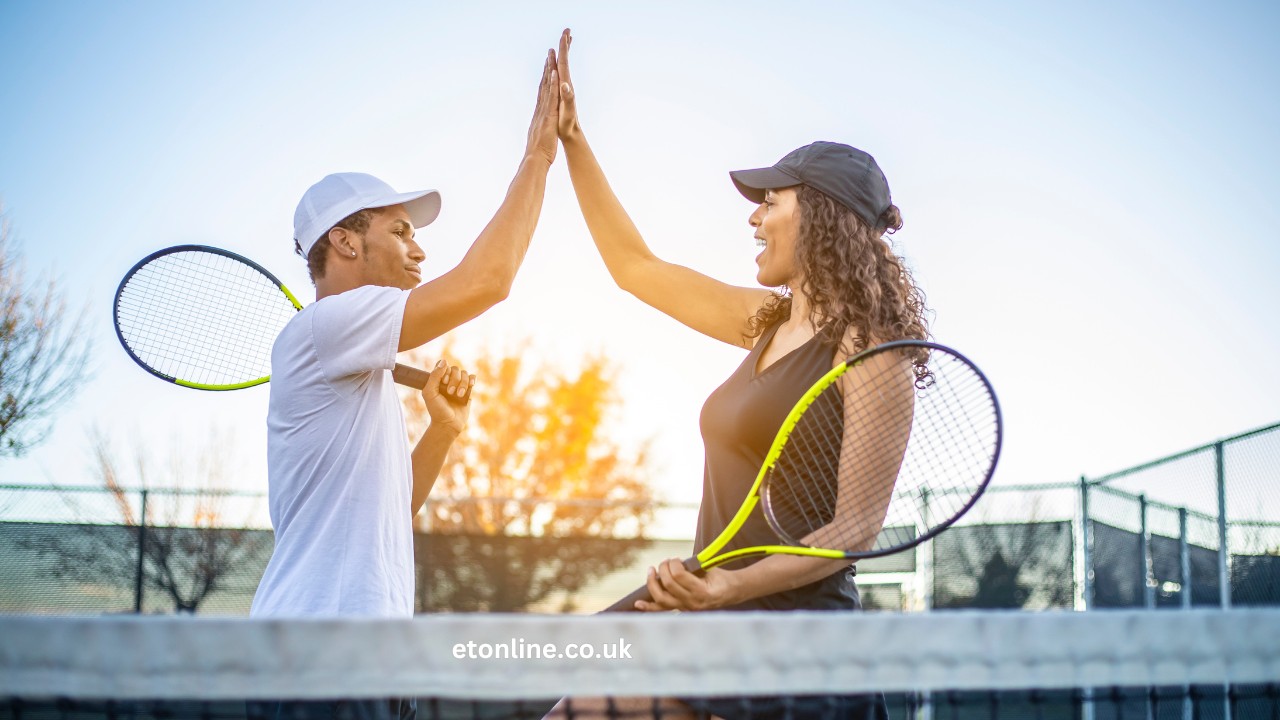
point(206, 318)
point(884, 452)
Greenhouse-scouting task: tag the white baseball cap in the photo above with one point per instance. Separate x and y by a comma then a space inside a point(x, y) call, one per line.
point(335, 197)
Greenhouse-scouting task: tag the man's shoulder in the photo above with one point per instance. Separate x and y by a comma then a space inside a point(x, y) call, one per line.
point(364, 293)
point(358, 304)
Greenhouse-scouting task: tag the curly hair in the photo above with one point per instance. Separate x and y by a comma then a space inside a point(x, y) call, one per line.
point(852, 278)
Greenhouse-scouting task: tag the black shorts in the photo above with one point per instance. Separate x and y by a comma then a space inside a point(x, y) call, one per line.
point(392, 709)
point(793, 707)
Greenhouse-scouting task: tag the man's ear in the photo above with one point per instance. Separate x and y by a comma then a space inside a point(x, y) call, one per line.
point(342, 240)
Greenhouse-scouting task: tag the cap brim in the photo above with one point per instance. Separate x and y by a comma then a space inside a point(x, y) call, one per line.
point(753, 183)
point(423, 206)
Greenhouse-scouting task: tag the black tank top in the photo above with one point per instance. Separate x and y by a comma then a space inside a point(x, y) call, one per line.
point(739, 421)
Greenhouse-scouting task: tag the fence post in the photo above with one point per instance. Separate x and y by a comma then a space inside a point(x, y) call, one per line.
point(1086, 694)
point(925, 559)
point(142, 544)
point(1086, 549)
point(1184, 559)
point(925, 554)
point(1148, 572)
point(1224, 557)
point(1184, 568)
point(1224, 576)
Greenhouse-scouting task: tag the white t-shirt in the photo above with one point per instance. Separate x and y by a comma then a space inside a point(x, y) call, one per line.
point(338, 463)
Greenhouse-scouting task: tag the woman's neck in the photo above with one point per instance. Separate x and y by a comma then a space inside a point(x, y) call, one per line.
point(800, 313)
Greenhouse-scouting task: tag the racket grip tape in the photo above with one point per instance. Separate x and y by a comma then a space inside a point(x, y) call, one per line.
point(628, 603)
point(415, 378)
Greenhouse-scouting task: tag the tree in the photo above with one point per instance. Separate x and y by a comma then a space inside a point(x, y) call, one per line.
point(190, 549)
point(536, 497)
point(1008, 565)
point(44, 353)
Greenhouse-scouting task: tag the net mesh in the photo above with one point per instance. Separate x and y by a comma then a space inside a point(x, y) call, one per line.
point(1191, 665)
point(202, 317)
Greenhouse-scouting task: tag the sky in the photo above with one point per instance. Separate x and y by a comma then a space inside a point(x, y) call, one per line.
point(1088, 189)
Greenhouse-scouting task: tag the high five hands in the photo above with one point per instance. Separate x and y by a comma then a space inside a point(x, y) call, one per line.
point(556, 108)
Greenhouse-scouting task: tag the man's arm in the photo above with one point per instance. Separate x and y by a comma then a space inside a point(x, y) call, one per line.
point(447, 422)
point(484, 276)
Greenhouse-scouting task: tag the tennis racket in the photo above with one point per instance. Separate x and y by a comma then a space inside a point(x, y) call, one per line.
point(884, 452)
point(206, 318)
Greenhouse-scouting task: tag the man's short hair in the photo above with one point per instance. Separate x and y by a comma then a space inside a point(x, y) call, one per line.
point(357, 222)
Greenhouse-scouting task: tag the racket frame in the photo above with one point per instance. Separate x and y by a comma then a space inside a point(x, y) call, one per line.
point(401, 374)
point(191, 248)
point(793, 418)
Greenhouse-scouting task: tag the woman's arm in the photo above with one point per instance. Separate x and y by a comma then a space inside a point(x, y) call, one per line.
point(709, 306)
point(675, 588)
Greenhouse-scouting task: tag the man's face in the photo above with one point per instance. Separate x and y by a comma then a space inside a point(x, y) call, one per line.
point(391, 256)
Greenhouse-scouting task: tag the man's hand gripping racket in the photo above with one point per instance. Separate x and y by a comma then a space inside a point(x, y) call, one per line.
point(884, 452)
point(206, 318)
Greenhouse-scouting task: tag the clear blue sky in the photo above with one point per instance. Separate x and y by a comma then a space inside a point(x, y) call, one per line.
point(1088, 188)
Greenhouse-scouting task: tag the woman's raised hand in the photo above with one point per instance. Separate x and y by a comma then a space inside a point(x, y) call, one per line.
point(567, 126)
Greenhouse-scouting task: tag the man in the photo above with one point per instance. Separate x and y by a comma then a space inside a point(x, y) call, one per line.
point(343, 484)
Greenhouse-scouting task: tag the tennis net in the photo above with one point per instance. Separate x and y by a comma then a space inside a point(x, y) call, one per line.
point(1120, 665)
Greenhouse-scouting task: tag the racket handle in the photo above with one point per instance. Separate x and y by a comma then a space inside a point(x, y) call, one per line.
point(415, 378)
point(410, 376)
point(628, 603)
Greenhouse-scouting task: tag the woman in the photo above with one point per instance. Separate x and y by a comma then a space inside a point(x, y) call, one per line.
point(821, 215)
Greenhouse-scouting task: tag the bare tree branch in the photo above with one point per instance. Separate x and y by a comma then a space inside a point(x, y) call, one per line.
point(44, 352)
point(191, 545)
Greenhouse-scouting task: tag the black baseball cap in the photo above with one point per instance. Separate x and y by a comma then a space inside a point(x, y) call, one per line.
point(847, 174)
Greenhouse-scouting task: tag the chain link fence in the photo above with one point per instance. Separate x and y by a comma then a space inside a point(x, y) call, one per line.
point(1198, 528)
point(1201, 527)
